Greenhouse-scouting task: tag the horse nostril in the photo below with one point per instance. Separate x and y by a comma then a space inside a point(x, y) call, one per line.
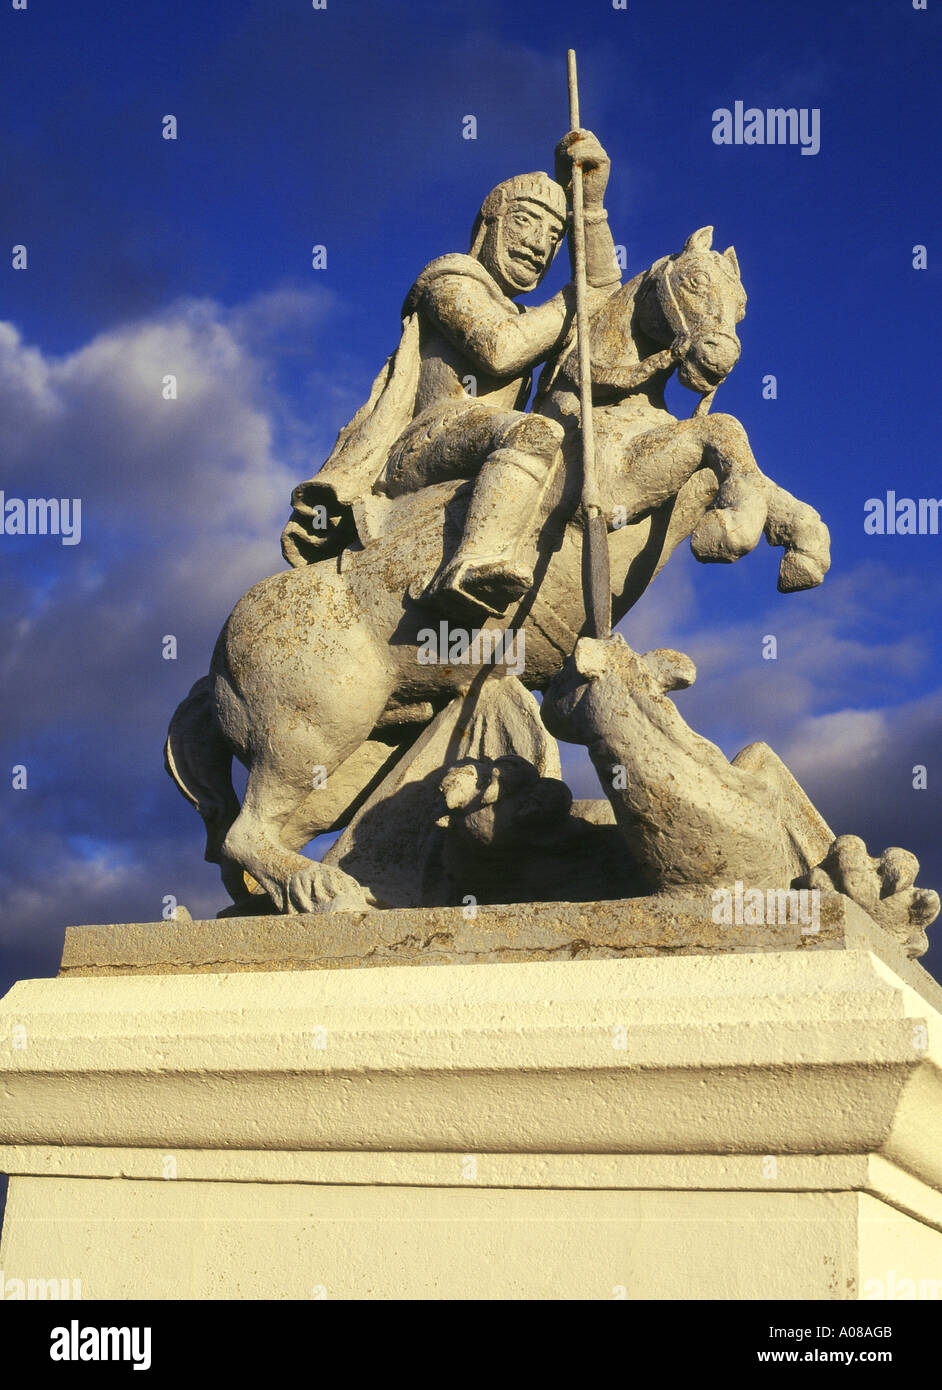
point(720, 351)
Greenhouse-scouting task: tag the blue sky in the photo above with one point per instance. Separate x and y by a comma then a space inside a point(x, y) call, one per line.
point(343, 127)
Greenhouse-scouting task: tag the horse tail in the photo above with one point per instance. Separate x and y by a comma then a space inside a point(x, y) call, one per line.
point(199, 760)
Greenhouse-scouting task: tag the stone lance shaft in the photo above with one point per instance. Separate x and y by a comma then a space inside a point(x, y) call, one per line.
point(596, 577)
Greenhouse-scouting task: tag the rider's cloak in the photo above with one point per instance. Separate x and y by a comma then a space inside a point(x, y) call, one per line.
point(359, 456)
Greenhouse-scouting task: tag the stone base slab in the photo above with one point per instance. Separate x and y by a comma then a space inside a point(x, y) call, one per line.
point(667, 925)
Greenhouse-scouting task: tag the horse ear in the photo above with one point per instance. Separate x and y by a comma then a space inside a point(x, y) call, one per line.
point(730, 255)
point(701, 240)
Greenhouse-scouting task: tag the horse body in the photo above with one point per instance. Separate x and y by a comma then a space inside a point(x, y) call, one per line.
point(316, 683)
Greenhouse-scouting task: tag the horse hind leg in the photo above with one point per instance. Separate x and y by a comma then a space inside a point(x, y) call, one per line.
point(295, 793)
point(265, 843)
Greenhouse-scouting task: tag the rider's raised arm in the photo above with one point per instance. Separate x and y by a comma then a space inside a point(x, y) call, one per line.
point(496, 337)
point(601, 267)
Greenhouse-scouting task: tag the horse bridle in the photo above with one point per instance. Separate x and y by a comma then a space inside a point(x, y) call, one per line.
point(706, 397)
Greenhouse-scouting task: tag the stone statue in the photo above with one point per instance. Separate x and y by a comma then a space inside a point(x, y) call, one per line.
point(356, 706)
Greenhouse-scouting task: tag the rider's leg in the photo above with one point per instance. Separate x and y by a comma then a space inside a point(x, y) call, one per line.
point(444, 442)
point(493, 565)
point(511, 454)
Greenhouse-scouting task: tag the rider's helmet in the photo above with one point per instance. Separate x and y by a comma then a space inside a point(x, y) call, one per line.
point(527, 188)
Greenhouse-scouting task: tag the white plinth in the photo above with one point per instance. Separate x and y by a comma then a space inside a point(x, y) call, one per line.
point(760, 1124)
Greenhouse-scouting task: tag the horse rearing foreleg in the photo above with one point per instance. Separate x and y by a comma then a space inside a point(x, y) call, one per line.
point(807, 541)
point(748, 503)
point(734, 523)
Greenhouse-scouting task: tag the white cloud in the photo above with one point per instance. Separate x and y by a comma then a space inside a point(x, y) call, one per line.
point(826, 745)
point(183, 500)
point(183, 503)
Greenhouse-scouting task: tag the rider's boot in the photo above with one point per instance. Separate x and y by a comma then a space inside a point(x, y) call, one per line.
point(485, 575)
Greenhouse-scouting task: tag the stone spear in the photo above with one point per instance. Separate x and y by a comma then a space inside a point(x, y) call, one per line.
point(596, 577)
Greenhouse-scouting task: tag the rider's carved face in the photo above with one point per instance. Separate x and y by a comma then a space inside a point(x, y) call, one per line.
point(520, 245)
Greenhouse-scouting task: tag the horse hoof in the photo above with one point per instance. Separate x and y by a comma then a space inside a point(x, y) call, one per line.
point(323, 888)
point(799, 570)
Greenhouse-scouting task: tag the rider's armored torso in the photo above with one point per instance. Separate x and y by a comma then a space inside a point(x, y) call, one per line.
point(464, 320)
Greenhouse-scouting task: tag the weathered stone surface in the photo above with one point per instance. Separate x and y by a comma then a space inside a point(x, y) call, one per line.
point(689, 815)
point(357, 706)
point(659, 926)
point(393, 844)
point(884, 886)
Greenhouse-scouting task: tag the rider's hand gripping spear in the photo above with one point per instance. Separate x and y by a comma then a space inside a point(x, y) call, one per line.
point(596, 578)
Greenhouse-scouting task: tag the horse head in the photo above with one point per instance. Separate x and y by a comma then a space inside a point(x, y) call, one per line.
point(695, 299)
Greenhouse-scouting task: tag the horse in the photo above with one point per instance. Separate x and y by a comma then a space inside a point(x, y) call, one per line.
point(318, 683)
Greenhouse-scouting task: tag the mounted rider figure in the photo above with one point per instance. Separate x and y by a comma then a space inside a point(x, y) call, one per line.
point(421, 425)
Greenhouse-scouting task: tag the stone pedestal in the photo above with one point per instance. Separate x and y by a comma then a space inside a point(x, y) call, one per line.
point(607, 1100)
